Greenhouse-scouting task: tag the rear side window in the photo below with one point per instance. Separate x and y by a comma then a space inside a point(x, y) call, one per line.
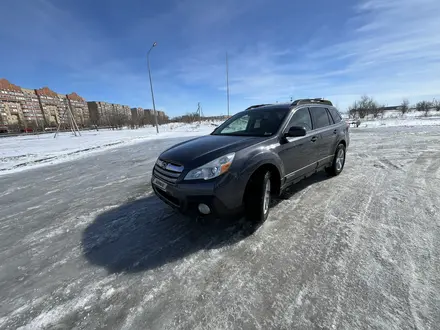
point(301, 118)
point(320, 117)
point(330, 119)
point(335, 115)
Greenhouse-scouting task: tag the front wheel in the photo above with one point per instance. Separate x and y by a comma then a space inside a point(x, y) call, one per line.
point(338, 161)
point(258, 198)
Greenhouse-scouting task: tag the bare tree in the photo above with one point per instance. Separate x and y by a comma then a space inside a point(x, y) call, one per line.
point(375, 109)
point(353, 110)
point(404, 106)
point(380, 110)
point(352, 113)
point(436, 104)
point(188, 118)
point(365, 106)
point(423, 106)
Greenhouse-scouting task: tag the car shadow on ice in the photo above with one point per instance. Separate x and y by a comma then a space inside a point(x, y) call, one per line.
point(146, 234)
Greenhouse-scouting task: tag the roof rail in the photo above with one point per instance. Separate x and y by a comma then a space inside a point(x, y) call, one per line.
point(257, 106)
point(315, 100)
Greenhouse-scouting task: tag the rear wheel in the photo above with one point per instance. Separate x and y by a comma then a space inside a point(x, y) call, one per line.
point(258, 197)
point(338, 161)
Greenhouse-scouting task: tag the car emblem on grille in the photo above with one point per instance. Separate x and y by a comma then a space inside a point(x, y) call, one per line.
point(174, 168)
point(168, 166)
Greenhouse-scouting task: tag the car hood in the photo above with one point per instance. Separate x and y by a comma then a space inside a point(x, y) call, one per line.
point(202, 150)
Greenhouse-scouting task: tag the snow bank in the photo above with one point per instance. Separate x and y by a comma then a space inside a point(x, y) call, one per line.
point(408, 122)
point(22, 152)
point(396, 118)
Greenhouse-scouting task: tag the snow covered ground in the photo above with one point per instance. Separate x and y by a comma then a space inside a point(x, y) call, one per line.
point(30, 151)
point(395, 118)
point(86, 245)
point(404, 122)
point(23, 152)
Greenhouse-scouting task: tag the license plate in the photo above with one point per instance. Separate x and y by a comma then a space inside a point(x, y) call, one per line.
point(160, 184)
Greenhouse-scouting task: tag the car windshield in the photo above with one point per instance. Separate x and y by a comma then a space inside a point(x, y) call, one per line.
point(260, 122)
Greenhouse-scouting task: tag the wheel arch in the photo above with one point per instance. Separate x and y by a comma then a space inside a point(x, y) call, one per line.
point(342, 142)
point(275, 178)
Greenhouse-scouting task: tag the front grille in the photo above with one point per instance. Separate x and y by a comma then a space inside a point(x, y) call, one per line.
point(167, 172)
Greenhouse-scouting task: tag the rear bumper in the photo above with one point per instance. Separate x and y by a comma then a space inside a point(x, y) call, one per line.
point(185, 197)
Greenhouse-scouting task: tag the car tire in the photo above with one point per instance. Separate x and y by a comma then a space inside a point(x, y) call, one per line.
point(338, 161)
point(258, 198)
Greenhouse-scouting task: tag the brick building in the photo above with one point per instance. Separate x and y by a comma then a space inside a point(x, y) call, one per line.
point(80, 109)
point(53, 106)
point(31, 108)
point(39, 108)
point(19, 107)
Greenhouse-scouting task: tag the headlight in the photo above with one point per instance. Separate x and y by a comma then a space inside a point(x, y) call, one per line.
point(212, 169)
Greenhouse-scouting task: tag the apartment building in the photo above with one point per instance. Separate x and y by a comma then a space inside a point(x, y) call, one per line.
point(126, 111)
point(108, 114)
point(39, 108)
point(80, 109)
point(100, 112)
point(121, 110)
point(31, 108)
point(137, 117)
point(117, 109)
point(53, 106)
point(18, 107)
point(161, 116)
point(136, 113)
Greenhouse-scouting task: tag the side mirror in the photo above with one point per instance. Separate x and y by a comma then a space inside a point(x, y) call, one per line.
point(295, 131)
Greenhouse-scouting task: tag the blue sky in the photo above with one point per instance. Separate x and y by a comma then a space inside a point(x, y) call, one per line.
point(340, 50)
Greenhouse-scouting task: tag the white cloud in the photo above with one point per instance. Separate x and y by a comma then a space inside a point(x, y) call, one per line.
point(392, 51)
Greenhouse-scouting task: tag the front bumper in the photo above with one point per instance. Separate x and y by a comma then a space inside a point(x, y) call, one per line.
point(185, 197)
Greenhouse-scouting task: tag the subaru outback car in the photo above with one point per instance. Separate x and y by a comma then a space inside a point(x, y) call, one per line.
point(252, 157)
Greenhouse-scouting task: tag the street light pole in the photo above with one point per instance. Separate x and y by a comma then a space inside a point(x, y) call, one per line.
point(227, 80)
point(151, 86)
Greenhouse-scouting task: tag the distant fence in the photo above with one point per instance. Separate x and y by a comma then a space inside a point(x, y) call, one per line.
point(11, 134)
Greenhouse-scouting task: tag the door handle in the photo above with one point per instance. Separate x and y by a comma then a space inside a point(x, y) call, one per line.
point(335, 131)
point(314, 139)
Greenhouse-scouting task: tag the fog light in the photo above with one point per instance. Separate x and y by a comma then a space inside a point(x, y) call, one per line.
point(204, 209)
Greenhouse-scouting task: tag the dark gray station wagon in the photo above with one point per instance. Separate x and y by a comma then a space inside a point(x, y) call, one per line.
point(251, 157)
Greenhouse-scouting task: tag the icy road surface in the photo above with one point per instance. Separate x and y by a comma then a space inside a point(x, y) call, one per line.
point(84, 245)
point(23, 152)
